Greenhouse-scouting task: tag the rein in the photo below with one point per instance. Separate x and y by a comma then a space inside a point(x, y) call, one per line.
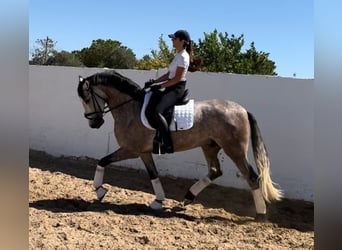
point(97, 106)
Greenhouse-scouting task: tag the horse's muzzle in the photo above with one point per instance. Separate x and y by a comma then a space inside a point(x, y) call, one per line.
point(96, 122)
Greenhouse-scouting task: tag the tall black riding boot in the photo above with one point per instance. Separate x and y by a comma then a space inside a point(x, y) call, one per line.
point(165, 133)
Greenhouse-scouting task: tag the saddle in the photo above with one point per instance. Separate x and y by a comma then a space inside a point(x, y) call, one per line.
point(184, 99)
point(169, 114)
point(179, 117)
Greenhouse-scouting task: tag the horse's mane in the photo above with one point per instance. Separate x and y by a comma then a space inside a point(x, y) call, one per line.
point(115, 80)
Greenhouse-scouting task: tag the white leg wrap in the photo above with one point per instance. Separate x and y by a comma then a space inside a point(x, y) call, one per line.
point(158, 189)
point(98, 178)
point(155, 205)
point(200, 185)
point(259, 201)
point(101, 192)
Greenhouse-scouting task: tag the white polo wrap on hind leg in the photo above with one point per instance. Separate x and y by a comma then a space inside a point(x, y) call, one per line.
point(259, 201)
point(160, 195)
point(200, 185)
point(98, 178)
point(158, 189)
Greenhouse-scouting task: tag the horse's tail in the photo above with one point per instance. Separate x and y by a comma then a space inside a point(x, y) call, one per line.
point(268, 189)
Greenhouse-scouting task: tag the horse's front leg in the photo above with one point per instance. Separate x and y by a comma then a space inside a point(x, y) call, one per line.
point(157, 204)
point(118, 155)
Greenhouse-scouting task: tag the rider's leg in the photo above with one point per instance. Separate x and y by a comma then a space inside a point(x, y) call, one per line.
point(164, 132)
point(168, 100)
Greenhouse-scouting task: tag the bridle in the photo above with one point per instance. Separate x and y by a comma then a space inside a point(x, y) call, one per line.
point(97, 106)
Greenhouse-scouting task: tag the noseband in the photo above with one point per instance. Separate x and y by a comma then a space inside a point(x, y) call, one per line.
point(97, 106)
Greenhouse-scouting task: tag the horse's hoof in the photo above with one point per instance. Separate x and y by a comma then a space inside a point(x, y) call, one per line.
point(156, 205)
point(179, 208)
point(187, 202)
point(101, 192)
point(260, 218)
point(189, 198)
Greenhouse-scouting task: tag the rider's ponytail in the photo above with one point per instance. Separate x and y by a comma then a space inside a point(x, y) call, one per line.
point(195, 62)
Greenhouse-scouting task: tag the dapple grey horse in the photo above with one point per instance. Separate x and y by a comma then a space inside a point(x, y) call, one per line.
point(218, 124)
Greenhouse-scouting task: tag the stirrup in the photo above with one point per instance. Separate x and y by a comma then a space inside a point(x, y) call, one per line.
point(158, 148)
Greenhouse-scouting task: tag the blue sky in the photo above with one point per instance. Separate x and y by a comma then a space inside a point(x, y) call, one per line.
point(285, 29)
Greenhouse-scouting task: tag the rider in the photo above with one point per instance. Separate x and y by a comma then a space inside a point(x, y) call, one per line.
point(174, 84)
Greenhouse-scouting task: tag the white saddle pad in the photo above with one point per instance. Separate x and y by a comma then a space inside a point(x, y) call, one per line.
point(183, 116)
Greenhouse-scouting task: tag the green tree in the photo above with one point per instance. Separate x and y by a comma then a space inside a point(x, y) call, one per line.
point(254, 62)
point(107, 53)
point(219, 51)
point(64, 58)
point(45, 50)
point(222, 53)
point(159, 58)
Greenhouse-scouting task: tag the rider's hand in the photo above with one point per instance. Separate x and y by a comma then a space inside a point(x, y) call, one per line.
point(148, 84)
point(155, 88)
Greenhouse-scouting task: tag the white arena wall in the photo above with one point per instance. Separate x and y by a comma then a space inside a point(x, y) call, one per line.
point(283, 108)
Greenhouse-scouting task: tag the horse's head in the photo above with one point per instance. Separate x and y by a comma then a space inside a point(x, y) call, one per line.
point(93, 101)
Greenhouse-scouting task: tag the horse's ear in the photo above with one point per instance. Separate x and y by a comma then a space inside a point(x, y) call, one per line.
point(82, 80)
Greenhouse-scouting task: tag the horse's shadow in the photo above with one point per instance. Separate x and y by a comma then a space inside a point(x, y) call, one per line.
point(63, 205)
point(287, 213)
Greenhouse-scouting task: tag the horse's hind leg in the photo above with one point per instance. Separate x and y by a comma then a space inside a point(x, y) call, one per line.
point(214, 171)
point(252, 179)
point(157, 204)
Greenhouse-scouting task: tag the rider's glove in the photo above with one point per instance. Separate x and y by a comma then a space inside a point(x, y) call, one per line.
point(148, 84)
